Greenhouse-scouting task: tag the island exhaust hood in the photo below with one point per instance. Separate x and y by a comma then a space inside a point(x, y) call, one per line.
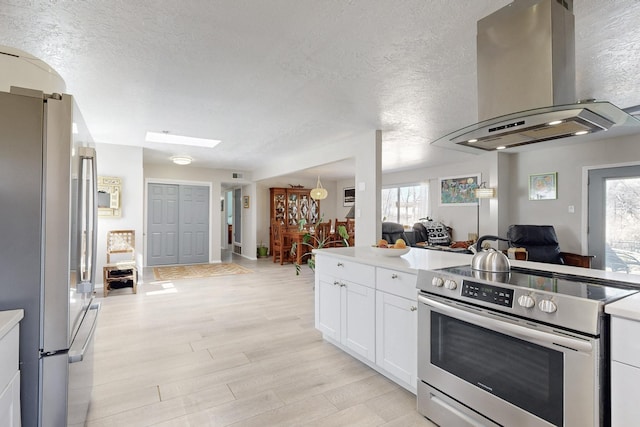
point(526, 63)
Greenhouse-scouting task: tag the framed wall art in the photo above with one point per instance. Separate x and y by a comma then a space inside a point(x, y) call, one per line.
point(459, 190)
point(349, 197)
point(543, 186)
point(109, 190)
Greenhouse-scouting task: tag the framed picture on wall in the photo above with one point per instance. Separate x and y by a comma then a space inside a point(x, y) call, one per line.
point(459, 190)
point(543, 186)
point(245, 202)
point(349, 198)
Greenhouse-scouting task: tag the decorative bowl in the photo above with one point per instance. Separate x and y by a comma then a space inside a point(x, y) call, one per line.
point(390, 251)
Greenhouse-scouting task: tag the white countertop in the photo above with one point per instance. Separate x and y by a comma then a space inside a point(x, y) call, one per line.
point(627, 307)
point(8, 319)
point(427, 259)
point(416, 259)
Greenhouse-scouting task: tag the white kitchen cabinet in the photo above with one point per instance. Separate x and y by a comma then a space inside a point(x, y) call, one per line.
point(397, 325)
point(371, 313)
point(345, 304)
point(396, 339)
point(625, 371)
point(9, 373)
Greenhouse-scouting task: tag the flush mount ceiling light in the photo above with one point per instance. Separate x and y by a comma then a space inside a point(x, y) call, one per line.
point(165, 137)
point(319, 193)
point(181, 160)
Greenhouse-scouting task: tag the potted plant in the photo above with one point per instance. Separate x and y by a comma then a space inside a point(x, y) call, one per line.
point(314, 241)
point(263, 251)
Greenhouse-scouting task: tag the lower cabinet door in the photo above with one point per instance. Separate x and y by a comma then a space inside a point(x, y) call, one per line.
point(358, 324)
point(624, 388)
point(396, 336)
point(328, 311)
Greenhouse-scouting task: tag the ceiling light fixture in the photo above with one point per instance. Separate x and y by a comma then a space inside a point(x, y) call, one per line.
point(319, 193)
point(165, 137)
point(581, 132)
point(181, 160)
point(555, 122)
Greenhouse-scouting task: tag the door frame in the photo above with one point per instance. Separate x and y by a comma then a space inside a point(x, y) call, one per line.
point(584, 234)
point(145, 224)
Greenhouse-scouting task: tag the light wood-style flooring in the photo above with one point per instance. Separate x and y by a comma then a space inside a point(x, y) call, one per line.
point(236, 350)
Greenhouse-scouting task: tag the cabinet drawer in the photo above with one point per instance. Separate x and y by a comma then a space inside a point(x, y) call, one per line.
point(346, 270)
point(396, 282)
point(625, 341)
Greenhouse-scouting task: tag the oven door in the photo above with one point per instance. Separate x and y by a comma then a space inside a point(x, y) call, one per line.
point(477, 365)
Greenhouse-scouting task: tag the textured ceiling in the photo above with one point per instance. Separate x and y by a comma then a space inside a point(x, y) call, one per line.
point(267, 76)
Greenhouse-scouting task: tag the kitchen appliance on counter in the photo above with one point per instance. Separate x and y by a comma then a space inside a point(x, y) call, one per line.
point(523, 347)
point(47, 254)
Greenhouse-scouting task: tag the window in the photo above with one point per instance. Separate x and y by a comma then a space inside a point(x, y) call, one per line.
point(406, 204)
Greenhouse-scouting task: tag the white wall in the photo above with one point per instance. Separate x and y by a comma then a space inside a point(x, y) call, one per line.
point(509, 174)
point(568, 161)
point(463, 219)
point(124, 162)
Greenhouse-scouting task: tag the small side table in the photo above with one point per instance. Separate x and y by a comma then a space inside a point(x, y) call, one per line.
point(120, 275)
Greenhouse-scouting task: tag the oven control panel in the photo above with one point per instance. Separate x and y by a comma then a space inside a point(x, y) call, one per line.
point(488, 293)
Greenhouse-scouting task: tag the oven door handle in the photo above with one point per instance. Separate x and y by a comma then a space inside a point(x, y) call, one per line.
point(507, 328)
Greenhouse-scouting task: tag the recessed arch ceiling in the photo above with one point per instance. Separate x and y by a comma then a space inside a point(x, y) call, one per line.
point(266, 77)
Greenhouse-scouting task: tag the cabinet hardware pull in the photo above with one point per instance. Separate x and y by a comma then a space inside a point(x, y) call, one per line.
point(335, 282)
point(394, 276)
point(340, 264)
point(342, 285)
point(413, 308)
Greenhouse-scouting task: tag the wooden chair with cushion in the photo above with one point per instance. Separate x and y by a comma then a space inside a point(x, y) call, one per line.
point(281, 244)
point(120, 271)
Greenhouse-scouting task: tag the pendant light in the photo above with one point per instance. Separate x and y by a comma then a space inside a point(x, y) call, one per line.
point(319, 193)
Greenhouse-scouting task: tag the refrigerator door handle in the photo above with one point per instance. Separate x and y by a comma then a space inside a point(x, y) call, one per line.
point(78, 356)
point(89, 218)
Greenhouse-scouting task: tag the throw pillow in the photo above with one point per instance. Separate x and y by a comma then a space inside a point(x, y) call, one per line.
point(437, 233)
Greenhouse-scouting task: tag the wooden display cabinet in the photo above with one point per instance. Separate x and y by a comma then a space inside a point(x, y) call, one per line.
point(289, 205)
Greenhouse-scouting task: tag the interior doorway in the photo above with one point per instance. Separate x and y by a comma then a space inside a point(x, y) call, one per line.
point(177, 224)
point(614, 218)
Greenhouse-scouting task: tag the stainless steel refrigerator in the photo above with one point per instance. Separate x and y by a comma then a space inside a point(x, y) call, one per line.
point(47, 251)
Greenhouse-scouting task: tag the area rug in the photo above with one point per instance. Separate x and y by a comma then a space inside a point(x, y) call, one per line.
point(194, 271)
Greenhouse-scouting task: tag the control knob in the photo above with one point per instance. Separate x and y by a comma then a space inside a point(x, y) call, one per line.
point(437, 282)
point(450, 284)
point(547, 306)
point(526, 301)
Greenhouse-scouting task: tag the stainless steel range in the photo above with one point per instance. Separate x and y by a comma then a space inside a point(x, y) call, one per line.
point(523, 348)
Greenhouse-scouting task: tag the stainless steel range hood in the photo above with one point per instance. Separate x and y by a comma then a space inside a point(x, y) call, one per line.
point(526, 63)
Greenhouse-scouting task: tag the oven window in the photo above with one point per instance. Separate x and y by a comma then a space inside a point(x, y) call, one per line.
point(525, 374)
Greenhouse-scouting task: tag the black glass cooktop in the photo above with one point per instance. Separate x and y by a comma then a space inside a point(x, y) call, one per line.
point(578, 286)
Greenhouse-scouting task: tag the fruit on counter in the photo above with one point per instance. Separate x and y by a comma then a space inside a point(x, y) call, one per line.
point(382, 243)
point(400, 244)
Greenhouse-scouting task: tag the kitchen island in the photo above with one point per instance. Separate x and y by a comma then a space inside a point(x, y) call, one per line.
point(366, 303)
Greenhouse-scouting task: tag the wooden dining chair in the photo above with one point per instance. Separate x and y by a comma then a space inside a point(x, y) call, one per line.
point(281, 244)
point(323, 234)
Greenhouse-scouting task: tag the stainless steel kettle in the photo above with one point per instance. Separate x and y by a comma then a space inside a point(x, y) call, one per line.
point(490, 260)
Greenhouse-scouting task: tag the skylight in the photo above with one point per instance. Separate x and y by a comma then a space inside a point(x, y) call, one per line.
point(168, 138)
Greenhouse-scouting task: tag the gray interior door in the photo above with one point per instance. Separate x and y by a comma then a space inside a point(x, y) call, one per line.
point(162, 224)
point(178, 224)
point(194, 224)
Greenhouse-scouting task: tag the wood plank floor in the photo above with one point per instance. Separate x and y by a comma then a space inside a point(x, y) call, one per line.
point(236, 350)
